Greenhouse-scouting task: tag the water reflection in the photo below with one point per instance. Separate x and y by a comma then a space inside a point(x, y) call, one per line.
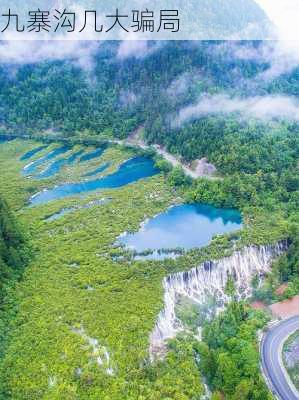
point(185, 226)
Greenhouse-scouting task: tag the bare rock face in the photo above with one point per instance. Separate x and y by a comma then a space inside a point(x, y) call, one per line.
point(209, 280)
point(204, 168)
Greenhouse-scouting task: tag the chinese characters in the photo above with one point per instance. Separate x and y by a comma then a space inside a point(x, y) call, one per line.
point(65, 21)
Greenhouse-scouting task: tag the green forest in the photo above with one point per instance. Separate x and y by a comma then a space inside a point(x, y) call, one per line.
point(13, 248)
point(68, 295)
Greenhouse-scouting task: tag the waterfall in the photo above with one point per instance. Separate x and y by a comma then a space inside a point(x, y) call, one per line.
point(210, 279)
point(99, 353)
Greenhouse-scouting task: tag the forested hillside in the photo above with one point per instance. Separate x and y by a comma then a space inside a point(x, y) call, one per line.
point(12, 248)
point(232, 102)
point(228, 353)
point(161, 90)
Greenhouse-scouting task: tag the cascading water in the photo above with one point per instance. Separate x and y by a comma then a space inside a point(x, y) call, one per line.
point(99, 353)
point(210, 279)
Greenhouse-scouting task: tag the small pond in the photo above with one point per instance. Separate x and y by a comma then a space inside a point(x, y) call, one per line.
point(69, 210)
point(185, 226)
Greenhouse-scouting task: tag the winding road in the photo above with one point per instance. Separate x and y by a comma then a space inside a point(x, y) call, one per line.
point(271, 354)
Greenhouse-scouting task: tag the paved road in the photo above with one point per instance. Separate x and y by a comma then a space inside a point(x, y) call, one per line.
point(271, 352)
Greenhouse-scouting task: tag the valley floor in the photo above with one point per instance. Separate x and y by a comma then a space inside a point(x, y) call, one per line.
point(78, 323)
point(83, 321)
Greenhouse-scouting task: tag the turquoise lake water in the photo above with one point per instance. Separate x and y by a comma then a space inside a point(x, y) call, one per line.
point(33, 166)
point(98, 170)
point(69, 210)
point(93, 154)
point(4, 139)
point(56, 166)
point(128, 172)
point(184, 226)
point(32, 152)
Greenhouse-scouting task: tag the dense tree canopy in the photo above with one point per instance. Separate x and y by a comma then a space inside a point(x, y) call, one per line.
point(12, 254)
point(229, 355)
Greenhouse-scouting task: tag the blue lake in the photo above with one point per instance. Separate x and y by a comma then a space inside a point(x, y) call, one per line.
point(98, 170)
point(32, 152)
point(128, 172)
point(185, 226)
point(32, 167)
point(74, 156)
point(56, 166)
point(93, 154)
point(3, 139)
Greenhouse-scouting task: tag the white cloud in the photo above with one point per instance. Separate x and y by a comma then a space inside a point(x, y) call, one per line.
point(137, 48)
point(265, 108)
point(132, 48)
point(284, 14)
point(182, 83)
point(128, 98)
point(30, 52)
point(283, 59)
point(284, 53)
point(74, 48)
point(281, 56)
